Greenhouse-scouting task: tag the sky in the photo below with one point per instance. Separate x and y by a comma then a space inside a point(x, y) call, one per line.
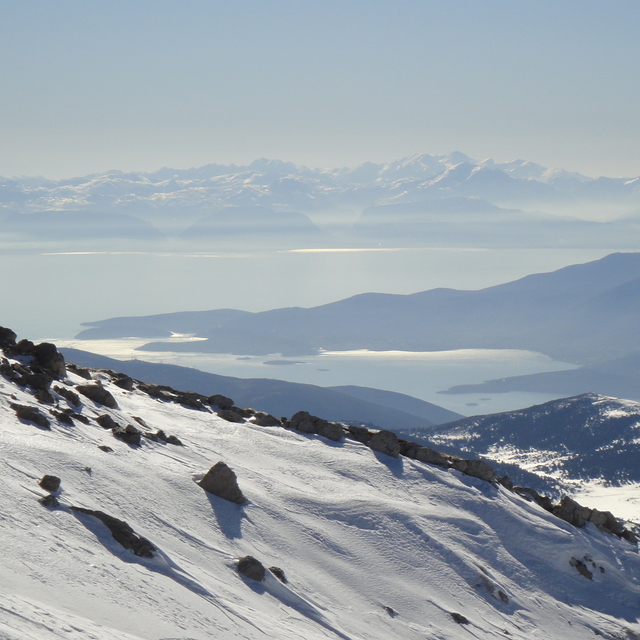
point(89, 86)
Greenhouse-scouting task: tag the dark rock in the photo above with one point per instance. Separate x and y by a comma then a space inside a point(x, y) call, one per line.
point(70, 396)
point(306, 423)
point(50, 483)
point(390, 611)
point(360, 434)
point(80, 418)
point(230, 416)
point(40, 380)
point(98, 394)
point(505, 481)
point(7, 338)
point(25, 347)
point(532, 494)
point(251, 568)
point(459, 618)
point(279, 573)
point(480, 469)
point(80, 371)
point(220, 401)
point(48, 357)
point(49, 501)
point(141, 421)
point(221, 481)
point(503, 596)
point(191, 400)
point(430, 456)
point(107, 422)
point(105, 448)
point(581, 568)
point(160, 392)
point(122, 533)
point(43, 396)
point(151, 436)
point(174, 440)
point(385, 442)
point(124, 383)
point(572, 512)
point(263, 419)
point(605, 521)
point(63, 416)
point(129, 434)
point(32, 414)
point(408, 449)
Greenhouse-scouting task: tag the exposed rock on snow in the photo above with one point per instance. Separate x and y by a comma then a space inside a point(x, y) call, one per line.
point(98, 394)
point(279, 573)
point(251, 568)
point(122, 533)
point(230, 416)
point(385, 442)
point(50, 483)
point(306, 423)
point(220, 401)
point(128, 434)
point(221, 481)
point(31, 414)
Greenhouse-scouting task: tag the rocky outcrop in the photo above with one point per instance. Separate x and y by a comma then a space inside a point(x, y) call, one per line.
point(230, 416)
point(70, 396)
point(122, 533)
point(98, 394)
point(306, 423)
point(251, 568)
point(31, 414)
point(385, 442)
point(222, 402)
point(221, 481)
point(128, 434)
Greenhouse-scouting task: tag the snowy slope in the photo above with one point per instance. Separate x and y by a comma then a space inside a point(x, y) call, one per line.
point(588, 437)
point(354, 531)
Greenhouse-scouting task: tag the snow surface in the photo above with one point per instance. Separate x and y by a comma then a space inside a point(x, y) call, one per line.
point(354, 531)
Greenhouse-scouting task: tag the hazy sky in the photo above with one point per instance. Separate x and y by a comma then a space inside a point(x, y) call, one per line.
point(90, 85)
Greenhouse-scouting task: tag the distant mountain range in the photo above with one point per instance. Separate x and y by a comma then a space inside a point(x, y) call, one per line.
point(584, 313)
point(585, 437)
point(271, 198)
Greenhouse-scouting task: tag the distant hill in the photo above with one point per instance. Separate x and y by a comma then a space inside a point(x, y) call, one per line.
point(386, 409)
point(618, 378)
point(583, 437)
point(582, 313)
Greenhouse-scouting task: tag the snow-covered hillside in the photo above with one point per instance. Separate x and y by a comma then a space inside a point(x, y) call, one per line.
point(372, 546)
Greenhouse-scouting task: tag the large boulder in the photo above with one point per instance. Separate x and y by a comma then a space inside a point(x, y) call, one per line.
point(31, 414)
point(305, 422)
point(129, 434)
point(49, 358)
point(221, 481)
point(7, 338)
point(572, 512)
point(251, 568)
point(385, 442)
point(98, 394)
point(220, 401)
